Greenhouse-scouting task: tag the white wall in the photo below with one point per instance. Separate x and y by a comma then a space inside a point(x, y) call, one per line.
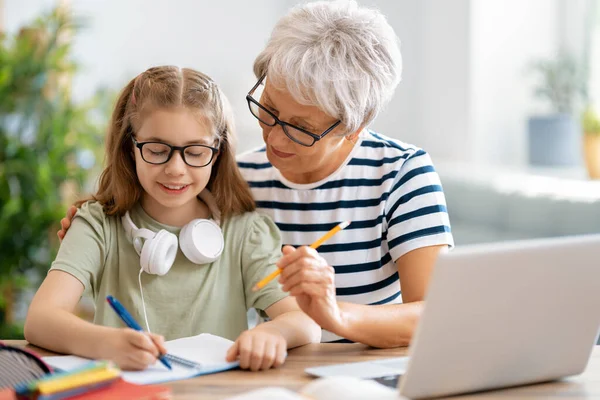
point(464, 94)
point(443, 82)
point(16, 12)
point(400, 119)
point(124, 37)
point(506, 37)
point(222, 39)
point(594, 58)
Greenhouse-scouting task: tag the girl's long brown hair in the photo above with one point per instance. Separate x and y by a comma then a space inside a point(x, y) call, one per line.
point(168, 87)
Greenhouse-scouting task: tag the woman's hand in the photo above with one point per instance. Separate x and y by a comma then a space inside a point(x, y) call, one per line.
point(65, 223)
point(308, 277)
point(259, 349)
point(133, 350)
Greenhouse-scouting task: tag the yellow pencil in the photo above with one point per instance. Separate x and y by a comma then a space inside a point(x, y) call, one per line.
point(315, 245)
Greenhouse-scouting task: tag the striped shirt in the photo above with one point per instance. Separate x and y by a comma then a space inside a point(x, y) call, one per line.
point(388, 189)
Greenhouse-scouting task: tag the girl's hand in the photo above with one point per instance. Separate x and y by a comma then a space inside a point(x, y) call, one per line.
point(133, 350)
point(307, 276)
point(258, 349)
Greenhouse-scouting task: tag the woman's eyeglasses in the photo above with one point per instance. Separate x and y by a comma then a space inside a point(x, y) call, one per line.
point(195, 155)
point(295, 133)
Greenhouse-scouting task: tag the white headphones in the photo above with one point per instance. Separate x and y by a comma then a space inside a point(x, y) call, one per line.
point(201, 240)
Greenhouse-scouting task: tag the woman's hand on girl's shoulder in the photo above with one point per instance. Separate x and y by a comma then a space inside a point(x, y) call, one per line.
point(133, 350)
point(65, 223)
point(259, 349)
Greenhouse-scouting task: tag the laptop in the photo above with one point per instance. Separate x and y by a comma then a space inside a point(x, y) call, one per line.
point(498, 315)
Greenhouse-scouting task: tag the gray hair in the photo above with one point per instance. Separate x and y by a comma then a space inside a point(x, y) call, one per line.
point(335, 55)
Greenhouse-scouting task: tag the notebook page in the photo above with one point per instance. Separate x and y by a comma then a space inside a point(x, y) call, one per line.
point(153, 374)
point(206, 349)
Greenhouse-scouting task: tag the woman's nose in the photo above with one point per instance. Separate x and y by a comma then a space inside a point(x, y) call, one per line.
point(276, 136)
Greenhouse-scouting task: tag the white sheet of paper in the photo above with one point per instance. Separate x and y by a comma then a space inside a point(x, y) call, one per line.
point(206, 349)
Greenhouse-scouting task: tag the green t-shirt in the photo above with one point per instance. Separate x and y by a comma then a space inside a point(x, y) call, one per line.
point(190, 299)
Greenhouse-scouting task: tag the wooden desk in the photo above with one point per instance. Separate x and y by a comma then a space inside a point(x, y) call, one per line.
point(292, 376)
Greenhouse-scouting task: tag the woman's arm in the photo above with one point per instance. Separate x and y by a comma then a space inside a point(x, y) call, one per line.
point(52, 324)
point(307, 276)
point(393, 325)
point(266, 345)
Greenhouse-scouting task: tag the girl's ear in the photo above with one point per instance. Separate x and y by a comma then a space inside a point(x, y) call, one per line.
point(218, 152)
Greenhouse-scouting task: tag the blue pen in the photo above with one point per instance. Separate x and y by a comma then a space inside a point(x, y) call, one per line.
point(130, 322)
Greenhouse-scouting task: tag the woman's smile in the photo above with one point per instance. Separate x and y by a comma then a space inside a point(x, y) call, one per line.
point(281, 154)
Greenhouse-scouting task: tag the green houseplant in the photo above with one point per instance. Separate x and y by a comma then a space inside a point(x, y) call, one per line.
point(44, 136)
point(590, 122)
point(554, 138)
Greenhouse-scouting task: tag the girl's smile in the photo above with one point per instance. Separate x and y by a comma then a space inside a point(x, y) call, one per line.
point(173, 189)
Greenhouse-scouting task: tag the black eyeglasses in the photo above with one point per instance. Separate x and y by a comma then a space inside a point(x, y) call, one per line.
point(195, 155)
point(295, 133)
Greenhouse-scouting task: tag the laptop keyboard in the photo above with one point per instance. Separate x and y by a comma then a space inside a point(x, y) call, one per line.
point(389, 381)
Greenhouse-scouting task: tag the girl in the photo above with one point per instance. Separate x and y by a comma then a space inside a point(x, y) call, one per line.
point(170, 162)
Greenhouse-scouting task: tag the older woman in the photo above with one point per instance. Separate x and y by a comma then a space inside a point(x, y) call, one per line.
point(326, 72)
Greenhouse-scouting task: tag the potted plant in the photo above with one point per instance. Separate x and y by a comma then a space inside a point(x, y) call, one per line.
point(590, 123)
point(43, 135)
point(554, 138)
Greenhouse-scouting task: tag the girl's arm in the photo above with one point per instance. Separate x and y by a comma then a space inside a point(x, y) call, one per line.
point(52, 324)
point(295, 326)
point(266, 345)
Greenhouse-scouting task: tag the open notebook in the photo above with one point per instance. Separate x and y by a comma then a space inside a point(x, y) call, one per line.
point(206, 350)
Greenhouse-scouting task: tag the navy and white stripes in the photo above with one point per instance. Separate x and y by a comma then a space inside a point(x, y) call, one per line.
point(388, 189)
